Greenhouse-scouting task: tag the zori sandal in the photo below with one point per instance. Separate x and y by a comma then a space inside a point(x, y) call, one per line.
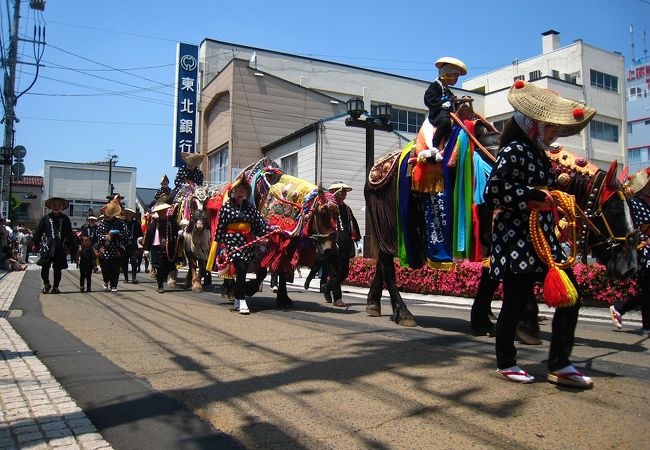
point(516, 374)
point(570, 376)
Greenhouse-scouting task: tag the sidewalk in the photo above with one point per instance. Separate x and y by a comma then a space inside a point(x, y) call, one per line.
point(36, 412)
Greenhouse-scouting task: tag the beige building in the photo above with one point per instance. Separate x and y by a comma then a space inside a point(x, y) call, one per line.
point(28, 191)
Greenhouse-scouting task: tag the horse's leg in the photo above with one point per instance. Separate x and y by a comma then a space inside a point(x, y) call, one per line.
point(253, 286)
point(193, 265)
point(373, 301)
point(401, 313)
point(171, 277)
point(282, 299)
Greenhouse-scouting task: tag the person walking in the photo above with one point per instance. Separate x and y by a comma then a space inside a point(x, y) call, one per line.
point(54, 238)
point(86, 257)
point(519, 183)
point(238, 222)
point(111, 244)
point(161, 241)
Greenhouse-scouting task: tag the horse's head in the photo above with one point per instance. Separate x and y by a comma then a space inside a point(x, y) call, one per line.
point(323, 222)
point(615, 242)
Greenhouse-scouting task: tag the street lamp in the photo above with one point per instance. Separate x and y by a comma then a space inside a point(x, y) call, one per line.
point(384, 111)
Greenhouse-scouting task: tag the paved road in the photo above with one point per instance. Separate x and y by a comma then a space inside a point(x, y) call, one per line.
point(180, 370)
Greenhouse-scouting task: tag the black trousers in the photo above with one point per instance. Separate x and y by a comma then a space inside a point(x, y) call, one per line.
point(45, 273)
point(110, 271)
point(641, 298)
point(442, 122)
point(516, 291)
point(133, 260)
point(85, 277)
point(241, 267)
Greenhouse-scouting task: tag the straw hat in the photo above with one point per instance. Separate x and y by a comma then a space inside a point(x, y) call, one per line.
point(639, 180)
point(244, 183)
point(192, 159)
point(91, 218)
point(112, 209)
point(164, 179)
point(48, 202)
point(454, 62)
point(544, 105)
point(131, 210)
point(160, 206)
point(335, 187)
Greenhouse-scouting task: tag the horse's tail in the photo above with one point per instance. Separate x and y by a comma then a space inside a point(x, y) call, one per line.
point(382, 209)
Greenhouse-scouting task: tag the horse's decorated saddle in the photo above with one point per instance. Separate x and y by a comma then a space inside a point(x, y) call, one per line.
point(383, 170)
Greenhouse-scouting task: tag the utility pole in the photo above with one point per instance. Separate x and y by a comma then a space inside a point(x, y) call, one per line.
point(10, 104)
point(9, 63)
point(111, 188)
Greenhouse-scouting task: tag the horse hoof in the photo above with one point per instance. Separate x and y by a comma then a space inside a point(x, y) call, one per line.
point(408, 322)
point(197, 289)
point(373, 311)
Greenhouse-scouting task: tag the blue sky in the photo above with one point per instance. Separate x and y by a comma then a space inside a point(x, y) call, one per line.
point(107, 84)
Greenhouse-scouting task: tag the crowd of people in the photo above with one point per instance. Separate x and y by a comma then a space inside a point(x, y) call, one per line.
point(14, 246)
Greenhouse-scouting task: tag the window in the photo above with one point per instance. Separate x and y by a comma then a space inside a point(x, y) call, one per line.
point(500, 124)
point(290, 164)
point(555, 73)
point(571, 77)
point(639, 155)
point(603, 131)
point(218, 162)
point(637, 92)
point(603, 80)
point(403, 120)
point(629, 128)
point(23, 211)
point(535, 75)
point(518, 77)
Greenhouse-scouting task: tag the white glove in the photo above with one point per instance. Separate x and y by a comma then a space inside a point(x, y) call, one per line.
point(437, 155)
point(423, 155)
point(446, 105)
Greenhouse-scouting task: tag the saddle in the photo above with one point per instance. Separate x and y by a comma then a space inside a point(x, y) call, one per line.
point(383, 170)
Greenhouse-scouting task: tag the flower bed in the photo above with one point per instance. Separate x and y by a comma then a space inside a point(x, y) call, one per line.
point(596, 287)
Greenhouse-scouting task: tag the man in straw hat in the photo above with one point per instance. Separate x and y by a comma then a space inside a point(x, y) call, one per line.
point(518, 183)
point(191, 172)
point(161, 241)
point(239, 222)
point(638, 190)
point(439, 99)
point(163, 192)
point(111, 243)
point(54, 237)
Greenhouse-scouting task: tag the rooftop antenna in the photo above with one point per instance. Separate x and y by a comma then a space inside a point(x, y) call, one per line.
point(645, 46)
point(632, 41)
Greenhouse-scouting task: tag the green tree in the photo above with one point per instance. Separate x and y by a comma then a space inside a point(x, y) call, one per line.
point(14, 208)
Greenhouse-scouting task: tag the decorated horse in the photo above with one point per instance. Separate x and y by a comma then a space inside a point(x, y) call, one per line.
point(304, 213)
point(428, 212)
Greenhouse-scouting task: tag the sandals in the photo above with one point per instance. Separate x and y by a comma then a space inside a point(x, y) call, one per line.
point(515, 374)
point(570, 376)
point(617, 320)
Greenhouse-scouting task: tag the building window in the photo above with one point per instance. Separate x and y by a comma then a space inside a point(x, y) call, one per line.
point(403, 120)
point(603, 131)
point(629, 128)
point(636, 92)
point(500, 124)
point(290, 164)
point(23, 212)
point(555, 73)
point(519, 77)
point(535, 75)
point(218, 166)
point(571, 77)
point(603, 80)
point(639, 155)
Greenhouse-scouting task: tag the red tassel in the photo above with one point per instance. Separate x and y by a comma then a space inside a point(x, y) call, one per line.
point(555, 291)
point(519, 84)
point(578, 113)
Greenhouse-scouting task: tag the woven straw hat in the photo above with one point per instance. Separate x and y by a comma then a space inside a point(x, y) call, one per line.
point(244, 183)
point(547, 106)
point(454, 62)
point(48, 202)
point(192, 159)
point(335, 187)
point(112, 209)
point(160, 206)
point(164, 179)
point(639, 180)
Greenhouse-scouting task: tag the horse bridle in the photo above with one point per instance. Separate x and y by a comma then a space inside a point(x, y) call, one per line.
point(612, 240)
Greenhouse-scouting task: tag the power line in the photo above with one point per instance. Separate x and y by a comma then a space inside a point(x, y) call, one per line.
point(159, 38)
point(97, 121)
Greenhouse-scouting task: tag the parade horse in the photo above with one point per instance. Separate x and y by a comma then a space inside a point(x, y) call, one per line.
point(305, 214)
point(445, 222)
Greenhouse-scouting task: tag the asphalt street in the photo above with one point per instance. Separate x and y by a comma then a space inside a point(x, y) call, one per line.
point(181, 370)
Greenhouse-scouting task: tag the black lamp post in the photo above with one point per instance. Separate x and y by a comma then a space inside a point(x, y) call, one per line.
point(382, 123)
